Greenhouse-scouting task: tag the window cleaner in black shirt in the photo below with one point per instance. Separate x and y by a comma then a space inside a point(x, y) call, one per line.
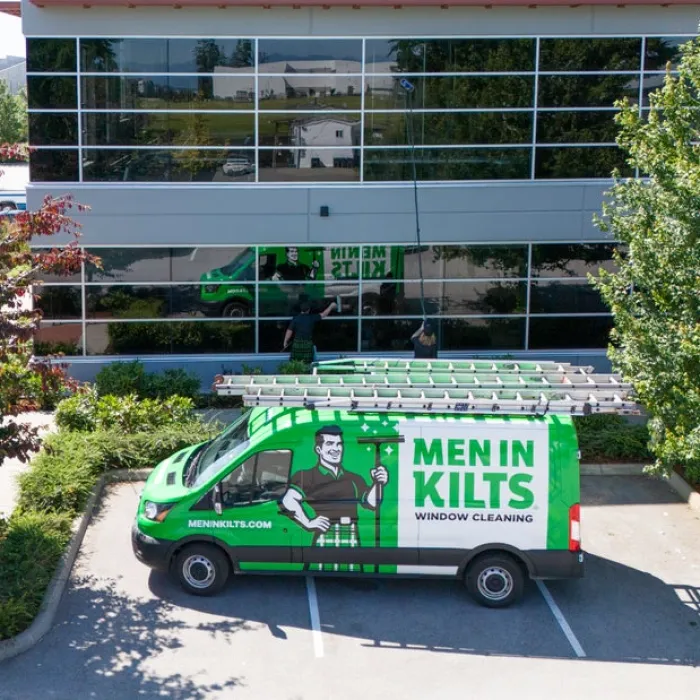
point(300, 332)
point(424, 342)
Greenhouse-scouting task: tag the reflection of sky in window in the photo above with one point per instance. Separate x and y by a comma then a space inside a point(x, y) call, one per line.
point(271, 50)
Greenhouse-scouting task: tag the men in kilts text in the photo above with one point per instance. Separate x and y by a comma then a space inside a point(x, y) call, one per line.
point(333, 495)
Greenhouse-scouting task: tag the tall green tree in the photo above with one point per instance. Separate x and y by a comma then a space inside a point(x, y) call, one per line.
point(13, 116)
point(655, 294)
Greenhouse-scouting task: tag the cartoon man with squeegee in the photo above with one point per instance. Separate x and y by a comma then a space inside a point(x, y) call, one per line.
point(335, 494)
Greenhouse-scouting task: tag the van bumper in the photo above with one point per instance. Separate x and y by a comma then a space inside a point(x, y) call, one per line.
point(556, 563)
point(150, 550)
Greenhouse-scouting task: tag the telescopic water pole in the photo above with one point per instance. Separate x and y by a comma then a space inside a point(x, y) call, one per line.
point(409, 89)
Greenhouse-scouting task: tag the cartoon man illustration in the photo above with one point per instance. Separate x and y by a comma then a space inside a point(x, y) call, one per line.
point(292, 270)
point(334, 494)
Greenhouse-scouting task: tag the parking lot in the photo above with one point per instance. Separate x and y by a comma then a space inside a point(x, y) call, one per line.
point(630, 628)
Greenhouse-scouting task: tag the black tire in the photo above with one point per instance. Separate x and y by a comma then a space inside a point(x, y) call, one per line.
point(202, 569)
point(495, 580)
point(234, 309)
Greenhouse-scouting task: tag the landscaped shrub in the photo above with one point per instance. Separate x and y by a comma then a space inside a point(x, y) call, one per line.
point(88, 411)
point(65, 471)
point(294, 367)
point(125, 378)
point(610, 438)
point(31, 545)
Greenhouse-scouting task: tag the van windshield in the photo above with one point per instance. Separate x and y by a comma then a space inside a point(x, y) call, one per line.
point(241, 260)
point(219, 451)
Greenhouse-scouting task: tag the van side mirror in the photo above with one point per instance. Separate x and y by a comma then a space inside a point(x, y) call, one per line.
point(218, 507)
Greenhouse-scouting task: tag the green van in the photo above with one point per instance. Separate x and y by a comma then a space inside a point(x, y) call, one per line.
point(487, 499)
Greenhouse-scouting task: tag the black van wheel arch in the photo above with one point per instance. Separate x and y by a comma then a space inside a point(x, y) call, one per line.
point(201, 568)
point(495, 579)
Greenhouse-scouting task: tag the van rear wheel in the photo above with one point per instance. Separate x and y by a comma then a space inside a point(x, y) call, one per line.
point(495, 580)
point(202, 569)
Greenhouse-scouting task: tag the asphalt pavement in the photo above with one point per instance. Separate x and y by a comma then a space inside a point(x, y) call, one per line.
point(629, 629)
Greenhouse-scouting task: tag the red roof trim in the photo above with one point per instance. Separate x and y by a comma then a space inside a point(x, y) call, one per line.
point(11, 8)
point(352, 3)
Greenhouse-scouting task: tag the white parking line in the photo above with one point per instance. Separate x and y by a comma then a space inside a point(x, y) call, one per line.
point(575, 644)
point(315, 617)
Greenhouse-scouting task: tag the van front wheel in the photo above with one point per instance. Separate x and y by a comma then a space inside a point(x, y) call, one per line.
point(202, 569)
point(495, 580)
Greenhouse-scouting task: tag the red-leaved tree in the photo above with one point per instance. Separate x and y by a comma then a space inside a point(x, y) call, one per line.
point(25, 381)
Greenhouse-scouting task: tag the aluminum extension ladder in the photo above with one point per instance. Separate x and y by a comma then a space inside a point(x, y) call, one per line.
point(462, 387)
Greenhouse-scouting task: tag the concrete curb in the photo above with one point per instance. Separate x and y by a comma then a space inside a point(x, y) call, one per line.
point(684, 490)
point(44, 620)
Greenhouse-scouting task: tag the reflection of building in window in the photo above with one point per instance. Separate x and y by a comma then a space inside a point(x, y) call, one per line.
point(325, 131)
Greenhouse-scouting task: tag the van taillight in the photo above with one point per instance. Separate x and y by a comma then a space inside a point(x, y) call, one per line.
point(575, 528)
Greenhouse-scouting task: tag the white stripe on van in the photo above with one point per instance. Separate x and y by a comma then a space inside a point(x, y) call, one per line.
point(429, 570)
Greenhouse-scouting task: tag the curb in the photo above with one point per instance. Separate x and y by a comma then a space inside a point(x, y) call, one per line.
point(632, 469)
point(44, 619)
point(684, 490)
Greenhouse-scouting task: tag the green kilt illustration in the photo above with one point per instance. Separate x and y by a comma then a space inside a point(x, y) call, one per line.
point(340, 534)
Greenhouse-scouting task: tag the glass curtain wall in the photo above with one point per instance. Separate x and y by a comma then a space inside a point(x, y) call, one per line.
point(239, 300)
point(242, 110)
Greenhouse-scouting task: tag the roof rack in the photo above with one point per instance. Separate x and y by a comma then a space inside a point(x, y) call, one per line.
point(383, 365)
point(562, 389)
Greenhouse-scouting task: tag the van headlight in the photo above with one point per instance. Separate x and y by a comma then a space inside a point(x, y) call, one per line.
point(157, 511)
point(210, 288)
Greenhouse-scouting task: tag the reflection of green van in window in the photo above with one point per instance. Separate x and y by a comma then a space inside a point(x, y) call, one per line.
point(289, 275)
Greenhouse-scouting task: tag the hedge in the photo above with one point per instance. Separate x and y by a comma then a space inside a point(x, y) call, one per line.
point(53, 492)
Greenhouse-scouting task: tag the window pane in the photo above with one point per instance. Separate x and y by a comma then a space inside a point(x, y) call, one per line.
point(58, 302)
point(271, 475)
point(448, 164)
point(164, 337)
point(168, 92)
point(448, 128)
point(165, 55)
point(570, 332)
point(309, 165)
point(477, 261)
point(330, 335)
point(652, 83)
point(286, 299)
point(213, 301)
point(164, 129)
point(46, 129)
point(53, 338)
point(310, 55)
point(392, 335)
point(51, 277)
point(237, 487)
point(309, 130)
point(579, 162)
point(53, 166)
point(482, 334)
point(216, 265)
point(659, 51)
point(590, 54)
point(449, 55)
point(447, 298)
point(186, 165)
point(576, 127)
point(586, 90)
point(575, 260)
point(565, 297)
point(52, 93)
point(450, 92)
point(324, 90)
point(51, 55)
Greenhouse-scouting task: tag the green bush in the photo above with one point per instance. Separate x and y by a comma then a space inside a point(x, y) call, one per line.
point(31, 545)
point(610, 438)
point(88, 411)
point(294, 367)
point(63, 474)
point(125, 378)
